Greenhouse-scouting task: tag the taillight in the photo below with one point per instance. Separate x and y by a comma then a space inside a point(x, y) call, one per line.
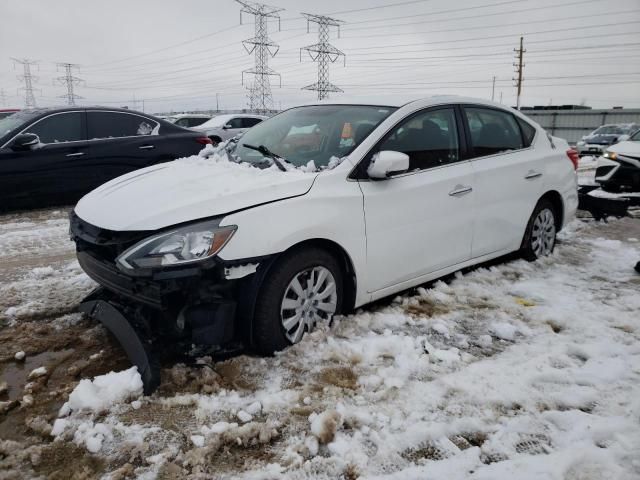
point(204, 141)
point(574, 157)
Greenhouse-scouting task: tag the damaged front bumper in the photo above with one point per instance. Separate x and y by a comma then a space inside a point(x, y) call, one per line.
point(196, 309)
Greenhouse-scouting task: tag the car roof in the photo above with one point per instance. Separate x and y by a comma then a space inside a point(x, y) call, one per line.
point(45, 110)
point(398, 101)
point(194, 115)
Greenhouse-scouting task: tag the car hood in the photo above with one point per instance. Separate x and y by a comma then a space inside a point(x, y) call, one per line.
point(601, 139)
point(184, 190)
point(631, 149)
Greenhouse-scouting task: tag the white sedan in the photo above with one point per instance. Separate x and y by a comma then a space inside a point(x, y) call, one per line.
point(316, 211)
point(223, 127)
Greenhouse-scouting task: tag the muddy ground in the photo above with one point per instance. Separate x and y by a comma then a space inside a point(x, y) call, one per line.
point(40, 286)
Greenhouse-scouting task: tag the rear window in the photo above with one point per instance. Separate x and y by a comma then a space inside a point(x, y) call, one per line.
point(528, 132)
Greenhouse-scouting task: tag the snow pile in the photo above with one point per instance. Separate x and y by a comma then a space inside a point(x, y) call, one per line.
point(104, 391)
point(518, 370)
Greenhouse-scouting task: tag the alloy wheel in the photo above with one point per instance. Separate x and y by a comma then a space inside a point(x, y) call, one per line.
point(543, 235)
point(310, 297)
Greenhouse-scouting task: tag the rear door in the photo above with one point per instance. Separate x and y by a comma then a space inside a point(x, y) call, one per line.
point(53, 173)
point(508, 178)
point(121, 142)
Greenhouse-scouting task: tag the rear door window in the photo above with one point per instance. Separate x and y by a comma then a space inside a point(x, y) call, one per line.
point(492, 131)
point(63, 127)
point(117, 125)
point(250, 122)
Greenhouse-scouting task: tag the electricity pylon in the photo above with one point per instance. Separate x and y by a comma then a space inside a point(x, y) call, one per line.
point(324, 53)
point(69, 81)
point(28, 79)
point(260, 98)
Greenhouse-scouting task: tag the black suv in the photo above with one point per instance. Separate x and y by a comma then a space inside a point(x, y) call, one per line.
point(54, 156)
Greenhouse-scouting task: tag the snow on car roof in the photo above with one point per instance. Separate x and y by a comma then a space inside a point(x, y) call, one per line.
point(392, 100)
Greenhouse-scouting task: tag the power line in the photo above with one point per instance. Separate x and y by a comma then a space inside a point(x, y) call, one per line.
point(28, 79)
point(323, 53)
point(389, 5)
point(69, 81)
point(260, 98)
point(164, 48)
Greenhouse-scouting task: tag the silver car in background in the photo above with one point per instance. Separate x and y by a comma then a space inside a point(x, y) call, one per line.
point(223, 127)
point(602, 137)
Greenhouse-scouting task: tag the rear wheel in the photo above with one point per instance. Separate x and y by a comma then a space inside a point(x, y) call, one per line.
point(540, 236)
point(303, 289)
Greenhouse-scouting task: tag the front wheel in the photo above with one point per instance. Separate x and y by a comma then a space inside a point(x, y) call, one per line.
point(304, 289)
point(540, 236)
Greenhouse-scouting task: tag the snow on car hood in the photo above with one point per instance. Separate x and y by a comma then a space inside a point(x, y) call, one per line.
point(631, 149)
point(187, 189)
point(604, 139)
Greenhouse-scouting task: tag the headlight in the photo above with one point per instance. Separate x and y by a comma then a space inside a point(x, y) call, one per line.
point(189, 244)
point(610, 155)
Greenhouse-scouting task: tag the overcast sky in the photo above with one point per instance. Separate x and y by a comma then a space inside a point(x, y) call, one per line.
point(178, 54)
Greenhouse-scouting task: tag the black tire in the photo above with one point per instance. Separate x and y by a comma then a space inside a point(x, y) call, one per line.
point(268, 332)
point(527, 250)
point(215, 140)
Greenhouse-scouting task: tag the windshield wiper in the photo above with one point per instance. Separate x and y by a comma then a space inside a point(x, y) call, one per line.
point(268, 153)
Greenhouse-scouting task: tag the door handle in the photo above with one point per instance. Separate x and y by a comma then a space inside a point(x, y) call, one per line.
point(147, 147)
point(460, 190)
point(532, 174)
point(77, 154)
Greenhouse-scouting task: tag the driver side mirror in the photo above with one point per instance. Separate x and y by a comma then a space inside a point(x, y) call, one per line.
point(25, 141)
point(387, 163)
point(227, 126)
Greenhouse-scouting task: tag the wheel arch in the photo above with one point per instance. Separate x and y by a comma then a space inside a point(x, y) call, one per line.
point(555, 198)
point(346, 263)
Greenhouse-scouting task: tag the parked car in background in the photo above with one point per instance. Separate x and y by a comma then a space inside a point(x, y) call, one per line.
point(260, 244)
point(597, 141)
point(618, 168)
point(54, 156)
point(224, 127)
point(5, 112)
point(188, 120)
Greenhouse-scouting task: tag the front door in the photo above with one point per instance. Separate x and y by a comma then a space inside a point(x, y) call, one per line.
point(421, 221)
point(51, 173)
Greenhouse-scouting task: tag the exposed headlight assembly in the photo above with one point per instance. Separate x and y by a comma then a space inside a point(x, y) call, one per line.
point(610, 155)
point(189, 244)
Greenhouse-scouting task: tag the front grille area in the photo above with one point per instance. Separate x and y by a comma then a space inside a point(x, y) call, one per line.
point(99, 242)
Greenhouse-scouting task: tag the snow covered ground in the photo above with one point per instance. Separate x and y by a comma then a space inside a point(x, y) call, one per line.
point(513, 371)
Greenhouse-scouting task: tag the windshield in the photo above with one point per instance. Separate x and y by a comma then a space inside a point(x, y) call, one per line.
point(316, 133)
point(635, 137)
point(608, 130)
point(14, 121)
